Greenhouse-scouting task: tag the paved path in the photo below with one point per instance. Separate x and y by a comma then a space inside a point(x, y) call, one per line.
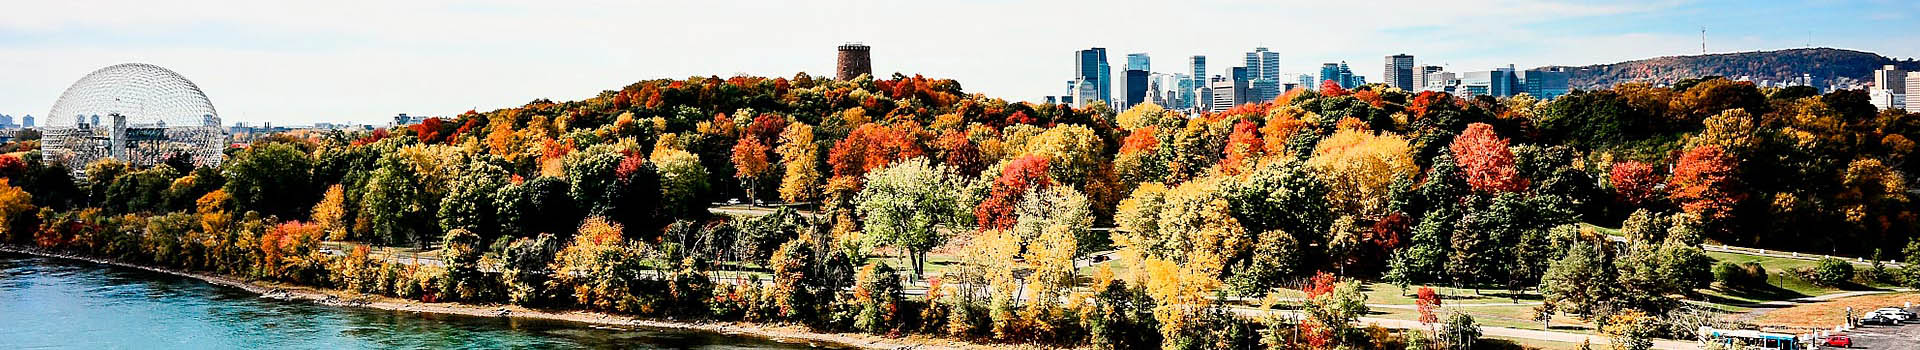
point(1489, 331)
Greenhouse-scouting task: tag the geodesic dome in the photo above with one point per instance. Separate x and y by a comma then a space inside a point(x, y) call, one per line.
point(148, 95)
point(138, 113)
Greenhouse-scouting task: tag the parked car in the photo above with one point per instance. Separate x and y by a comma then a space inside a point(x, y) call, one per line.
point(1839, 340)
point(1877, 319)
point(1897, 314)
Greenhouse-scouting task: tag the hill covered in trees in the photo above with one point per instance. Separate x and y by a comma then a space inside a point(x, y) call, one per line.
point(1779, 65)
point(601, 204)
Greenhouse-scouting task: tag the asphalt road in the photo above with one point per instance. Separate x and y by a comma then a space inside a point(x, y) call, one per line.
point(1891, 337)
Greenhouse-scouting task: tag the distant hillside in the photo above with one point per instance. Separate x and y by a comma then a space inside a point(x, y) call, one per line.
point(1823, 63)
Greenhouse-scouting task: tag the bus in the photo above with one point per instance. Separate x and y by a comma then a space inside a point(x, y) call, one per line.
point(1752, 339)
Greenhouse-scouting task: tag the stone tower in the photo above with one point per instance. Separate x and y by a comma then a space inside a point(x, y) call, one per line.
point(855, 59)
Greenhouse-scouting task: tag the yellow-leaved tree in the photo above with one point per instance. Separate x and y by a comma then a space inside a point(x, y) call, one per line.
point(801, 158)
point(1359, 168)
point(331, 213)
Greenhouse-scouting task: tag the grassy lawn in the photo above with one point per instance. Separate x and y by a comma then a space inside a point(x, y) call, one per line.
point(1521, 343)
point(1833, 312)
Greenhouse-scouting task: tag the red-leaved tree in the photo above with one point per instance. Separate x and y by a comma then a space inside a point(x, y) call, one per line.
point(1485, 159)
point(1704, 182)
point(1329, 88)
point(1243, 144)
point(1634, 182)
point(996, 212)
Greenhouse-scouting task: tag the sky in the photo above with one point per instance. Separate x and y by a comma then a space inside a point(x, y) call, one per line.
point(299, 62)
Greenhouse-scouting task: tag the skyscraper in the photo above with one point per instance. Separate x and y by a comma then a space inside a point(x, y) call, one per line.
point(1090, 67)
point(1202, 89)
point(1890, 78)
point(1399, 72)
point(27, 121)
point(1306, 82)
point(1329, 72)
point(1263, 74)
point(1889, 88)
point(1136, 85)
point(1913, 86)
point(1223, 90)
point(1420, 77)
point(1139, 61)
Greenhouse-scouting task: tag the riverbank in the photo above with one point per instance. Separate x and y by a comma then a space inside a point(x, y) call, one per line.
point(784, 333)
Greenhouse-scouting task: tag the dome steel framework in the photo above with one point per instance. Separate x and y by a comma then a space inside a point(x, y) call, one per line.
point(139, 113)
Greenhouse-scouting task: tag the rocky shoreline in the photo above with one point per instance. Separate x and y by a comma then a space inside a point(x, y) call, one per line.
point(783, 333)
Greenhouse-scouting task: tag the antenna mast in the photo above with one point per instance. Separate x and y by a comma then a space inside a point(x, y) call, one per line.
point(1703, 40)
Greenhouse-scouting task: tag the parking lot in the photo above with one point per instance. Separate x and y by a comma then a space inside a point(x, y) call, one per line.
point(1903, 336)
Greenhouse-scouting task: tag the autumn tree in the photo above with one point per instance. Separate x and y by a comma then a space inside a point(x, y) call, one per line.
point(331, 213)
point(1486, 160)
point(1634, 182)
point(1705, 182)
point(1359, 168)
point(750, 164)
point(800, 157)
point(1015, 179)
point(906, 204)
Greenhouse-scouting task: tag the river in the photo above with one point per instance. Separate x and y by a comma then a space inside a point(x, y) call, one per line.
point(48, 303)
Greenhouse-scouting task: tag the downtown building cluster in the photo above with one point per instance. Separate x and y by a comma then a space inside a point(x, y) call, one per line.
point(1259, 78)
point(1894, 88)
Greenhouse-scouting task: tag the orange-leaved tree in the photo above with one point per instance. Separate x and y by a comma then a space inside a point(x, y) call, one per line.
point(1705, 182)
point(1486, 160)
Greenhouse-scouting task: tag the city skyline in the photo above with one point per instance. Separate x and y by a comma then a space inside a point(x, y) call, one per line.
point(366, 62)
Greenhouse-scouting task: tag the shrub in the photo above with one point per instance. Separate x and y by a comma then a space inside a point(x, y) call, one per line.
point(1731, 275)
point(876, 291)
point(1831, 272)
point(1460, 331)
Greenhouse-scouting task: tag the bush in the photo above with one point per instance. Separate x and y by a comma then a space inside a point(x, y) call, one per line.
point(1831, 272)
point(1732, 276)
point(876, 291)
point(1460, 332)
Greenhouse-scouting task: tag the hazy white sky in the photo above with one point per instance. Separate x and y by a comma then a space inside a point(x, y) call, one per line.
point(297, 62)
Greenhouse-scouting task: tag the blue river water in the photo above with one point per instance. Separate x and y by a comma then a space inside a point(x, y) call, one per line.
point(48, 303)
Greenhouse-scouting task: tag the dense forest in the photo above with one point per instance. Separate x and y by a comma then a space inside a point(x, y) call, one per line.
point(1050, 225)
point(1778, 65)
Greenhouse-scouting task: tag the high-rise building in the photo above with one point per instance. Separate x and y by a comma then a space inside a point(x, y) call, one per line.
point(1420, 77)
point(1399, 72)
point(1136, 88)
point(1499, 82)
point(1263, 74)
point(27, 121)
point(855, 59)
point(1090, 67)
point(1442, 81)
point(1306, 82)
point(1890, 78)
point(1329, 72)
point(1223, 93)
point(1913, 92)
point(1346, 76)
point(1202, 89)
point(1544, 84)
point(1139, 61)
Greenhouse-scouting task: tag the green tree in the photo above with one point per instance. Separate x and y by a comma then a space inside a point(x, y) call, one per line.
point(905, 205)
point(274, 179)
point(393, 208)
point(469, 205)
